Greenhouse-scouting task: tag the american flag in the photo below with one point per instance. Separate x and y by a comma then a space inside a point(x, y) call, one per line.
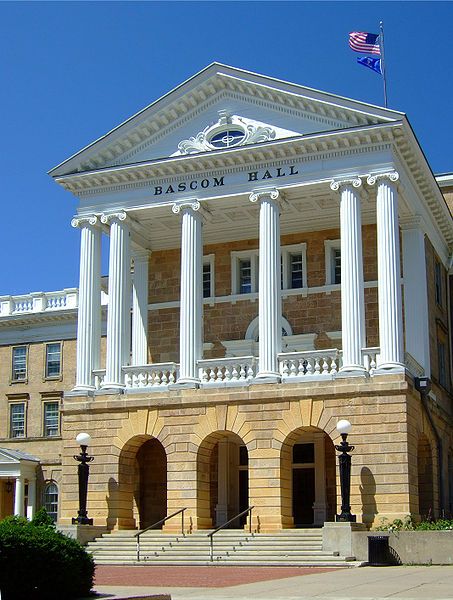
point(368, 43)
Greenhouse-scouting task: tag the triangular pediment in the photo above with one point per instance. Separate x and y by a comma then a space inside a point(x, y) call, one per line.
point(222, 100)
point(15, 456)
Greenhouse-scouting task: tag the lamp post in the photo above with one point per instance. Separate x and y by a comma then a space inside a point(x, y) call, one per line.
point(83, 471)
point(344, 462)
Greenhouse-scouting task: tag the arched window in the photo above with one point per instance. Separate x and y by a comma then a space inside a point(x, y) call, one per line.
point(50, 500)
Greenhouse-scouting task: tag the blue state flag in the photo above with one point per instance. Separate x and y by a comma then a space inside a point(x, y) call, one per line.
point(372, 63)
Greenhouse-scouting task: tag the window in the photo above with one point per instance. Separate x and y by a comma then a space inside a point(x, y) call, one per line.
point(294, 271)
point(438, 282)
point(17, 420)
point(51, 419)
point(244, 272)
point(53, 360)
point(50, 500)
point(208, 276)
point(333, 262)
point(441, 364)
point(19, 371)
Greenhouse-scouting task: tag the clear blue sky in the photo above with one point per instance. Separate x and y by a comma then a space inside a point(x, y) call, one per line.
point(70, 71)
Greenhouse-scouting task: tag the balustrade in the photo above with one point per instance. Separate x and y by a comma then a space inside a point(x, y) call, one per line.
point(322, 363)
point(151, 376)
point(38, 302)
point(227, 370)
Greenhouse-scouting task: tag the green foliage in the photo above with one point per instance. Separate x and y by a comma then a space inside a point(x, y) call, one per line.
point(42, 518)
point(408, 524)
point(37, 562)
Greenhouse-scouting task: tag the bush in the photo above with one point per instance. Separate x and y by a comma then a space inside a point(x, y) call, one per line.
point(39, 563)
point(408, 524)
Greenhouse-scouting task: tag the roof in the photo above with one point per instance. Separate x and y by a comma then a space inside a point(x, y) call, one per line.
point(17, 455)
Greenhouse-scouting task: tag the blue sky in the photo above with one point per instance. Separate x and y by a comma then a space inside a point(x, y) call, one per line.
point(70, 71)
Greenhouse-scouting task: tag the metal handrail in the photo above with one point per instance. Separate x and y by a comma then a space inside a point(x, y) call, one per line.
point(212, 534)
point(139, 533)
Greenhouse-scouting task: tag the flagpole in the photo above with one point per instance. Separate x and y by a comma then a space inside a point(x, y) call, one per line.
point(381, 27)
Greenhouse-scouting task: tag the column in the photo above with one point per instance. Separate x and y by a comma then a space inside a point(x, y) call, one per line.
point(118, 316)
point(353, 331)
point(270, 302)
point(89, 313)
point(31, 504)
point(140, 308)
point(389, 272)
point(191, 305)
point(19, 497)
point(415, 292)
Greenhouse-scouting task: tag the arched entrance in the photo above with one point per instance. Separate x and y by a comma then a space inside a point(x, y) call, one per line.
point(425, 477)
point(222, 467)
point(308, 477)
point(140, 498)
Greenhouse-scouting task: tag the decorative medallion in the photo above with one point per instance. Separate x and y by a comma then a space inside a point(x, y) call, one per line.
point(228, 132)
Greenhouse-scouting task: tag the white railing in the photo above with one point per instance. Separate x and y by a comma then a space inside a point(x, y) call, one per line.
point(157, 375)
point(38, 302)
point(370, 358)
point(99, 377)
point(321, 363)
point(227, 370)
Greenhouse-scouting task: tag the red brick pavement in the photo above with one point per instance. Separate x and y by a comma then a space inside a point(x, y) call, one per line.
point(204, 577)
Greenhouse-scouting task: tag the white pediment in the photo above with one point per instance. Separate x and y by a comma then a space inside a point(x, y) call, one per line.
point(185, 120)
point(8, 456)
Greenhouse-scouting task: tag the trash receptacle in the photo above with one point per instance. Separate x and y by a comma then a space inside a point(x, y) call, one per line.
point(378, 551)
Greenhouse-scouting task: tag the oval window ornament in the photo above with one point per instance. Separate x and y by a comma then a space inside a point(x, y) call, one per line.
point(227, 138)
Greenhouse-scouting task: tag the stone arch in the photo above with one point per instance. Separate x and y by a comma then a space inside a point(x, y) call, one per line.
point(425, 465)
point(253, 329)
point(308, 477)
point(130, 502)
point(222, 478)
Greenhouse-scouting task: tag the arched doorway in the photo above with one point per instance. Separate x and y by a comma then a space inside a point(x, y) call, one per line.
point(425, 477)
point(308, 477)
point(222, 468)
point(140, 497)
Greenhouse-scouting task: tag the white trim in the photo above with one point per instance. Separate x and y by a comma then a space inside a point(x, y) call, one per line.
point(329, 247)
point(287, 252)
point(236, 257)
point(209, 259)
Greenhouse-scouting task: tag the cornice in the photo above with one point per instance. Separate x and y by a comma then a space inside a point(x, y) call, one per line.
point(323, 145)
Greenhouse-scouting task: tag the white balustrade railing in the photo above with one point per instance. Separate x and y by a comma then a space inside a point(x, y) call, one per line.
point(156, 375)
point(38, 302)
point(322, 363)
point(227, 370)
point(99, 377)
point(370, 358)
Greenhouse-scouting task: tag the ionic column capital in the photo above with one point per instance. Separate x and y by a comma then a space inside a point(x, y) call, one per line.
point(337, 184)
point(392, 176)
point(85, 220)
point(192, 203)
point(260, 194)
point(108, 218)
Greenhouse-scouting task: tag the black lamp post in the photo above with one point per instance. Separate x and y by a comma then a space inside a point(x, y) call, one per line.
point(83, 471)
point(344, 461)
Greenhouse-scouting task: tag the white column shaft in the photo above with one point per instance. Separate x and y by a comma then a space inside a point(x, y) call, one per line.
point(191, 311)
point(416, 296)
point(19, 497)
point(270, 303)
point(389, 277)
point(118, 316)
point(352, 288)
point(31, 502)
point(89, 313)
point(140, 309)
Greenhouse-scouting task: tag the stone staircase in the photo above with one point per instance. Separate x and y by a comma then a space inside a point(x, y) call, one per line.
point(292, 547)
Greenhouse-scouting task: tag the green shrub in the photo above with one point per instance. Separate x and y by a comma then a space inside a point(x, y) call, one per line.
point(39, 563)
point(408, 524)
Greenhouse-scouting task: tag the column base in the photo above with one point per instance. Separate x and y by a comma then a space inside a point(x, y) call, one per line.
point(82, 521)
point(113, 387)
point(185, 383)
point(352, 371)
point(389, 367)
point(267, 377)
point(80, 392)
